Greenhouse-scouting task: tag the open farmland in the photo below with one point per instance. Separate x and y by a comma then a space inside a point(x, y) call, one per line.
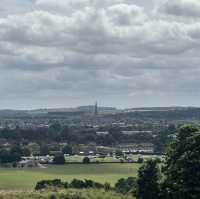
point(25, 179)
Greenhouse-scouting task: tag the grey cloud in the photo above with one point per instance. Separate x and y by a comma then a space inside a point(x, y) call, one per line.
point(65, 53)
point(182, 8)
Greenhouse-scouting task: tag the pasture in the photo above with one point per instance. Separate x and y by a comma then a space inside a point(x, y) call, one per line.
point(25, 179)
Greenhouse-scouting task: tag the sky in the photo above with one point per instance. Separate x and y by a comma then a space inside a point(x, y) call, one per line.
point(122, 53)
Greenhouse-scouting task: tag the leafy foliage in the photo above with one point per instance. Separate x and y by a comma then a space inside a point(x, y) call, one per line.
point(59, 159)
point(148, 180)
point(65, 194)
point(126, 185)
point(86, 160)
point(182, 168)
point(75, 183)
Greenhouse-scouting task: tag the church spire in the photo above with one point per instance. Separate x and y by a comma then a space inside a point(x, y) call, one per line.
point(96, 108)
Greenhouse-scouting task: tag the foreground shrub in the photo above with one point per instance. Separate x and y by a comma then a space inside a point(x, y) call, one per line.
point(86, 160)
point(65, 194)
point(52, 197)
point(78, 184)
point(43, 184)
point(182, 165)
point(107, 186)
point(75, 183)
point(126, 185)
point(148, 181)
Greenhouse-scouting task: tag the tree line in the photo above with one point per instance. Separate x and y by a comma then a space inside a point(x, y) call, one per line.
point(85, 135)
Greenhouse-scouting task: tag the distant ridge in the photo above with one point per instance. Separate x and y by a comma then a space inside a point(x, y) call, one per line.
point(178, 112)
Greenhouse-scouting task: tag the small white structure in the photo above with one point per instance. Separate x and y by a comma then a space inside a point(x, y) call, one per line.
point(100, 133)
point(27, 164)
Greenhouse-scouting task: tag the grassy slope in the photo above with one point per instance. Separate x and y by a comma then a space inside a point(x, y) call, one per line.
point(69, 194)
point(25, 179)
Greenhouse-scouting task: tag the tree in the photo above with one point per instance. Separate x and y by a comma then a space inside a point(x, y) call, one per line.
point(26, 152)
point(67, 150)
point(65, 133)
point(119, 153)
point(86, 160)
point(140, 160)
point(7, 156)
point(148, 181)
point(44, 150)
point(182, 167)
point(126, 185)
point(59, 159)
point(16, 149)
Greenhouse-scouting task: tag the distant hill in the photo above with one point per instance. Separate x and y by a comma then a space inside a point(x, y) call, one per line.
point(154, 113)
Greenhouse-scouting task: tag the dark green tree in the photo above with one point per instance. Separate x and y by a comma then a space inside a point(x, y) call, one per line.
point(67, 150)
point(182, 167)
point(26, 151)
point(126, 185)
point(148, 180)
point(86, 160)
point(59, 159)
point(44, 150)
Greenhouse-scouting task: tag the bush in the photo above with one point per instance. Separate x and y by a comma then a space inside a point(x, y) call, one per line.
point(140, 160)
point(59, 159)
point(67, 150)
point(43, 184)
point(75, 183)
point(78, 184)
point(86, 160)
point(52, 197)
point(126, 185)
point(64, 194)
point(107, 186)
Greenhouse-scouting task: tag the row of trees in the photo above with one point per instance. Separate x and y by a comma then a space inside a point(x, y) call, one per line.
point(83, 135)
point(13, 154)
point(75, 183)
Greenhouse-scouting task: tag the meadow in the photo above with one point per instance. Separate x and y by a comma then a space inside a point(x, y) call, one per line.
point(26, 179)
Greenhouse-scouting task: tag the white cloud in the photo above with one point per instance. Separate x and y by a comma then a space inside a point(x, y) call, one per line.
point(88, 49)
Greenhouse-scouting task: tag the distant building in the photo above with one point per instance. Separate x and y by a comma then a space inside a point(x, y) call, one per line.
point(100, 133)
point(96, 109)
point(137, 148)
point(84, 149)
point(135, 132)
point(27, 164)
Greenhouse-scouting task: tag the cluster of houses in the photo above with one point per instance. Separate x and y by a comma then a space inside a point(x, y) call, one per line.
point(143, 148)
point(34, 161)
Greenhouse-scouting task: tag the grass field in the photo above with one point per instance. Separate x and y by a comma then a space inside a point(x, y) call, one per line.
point(79, 158)
point(25, 179)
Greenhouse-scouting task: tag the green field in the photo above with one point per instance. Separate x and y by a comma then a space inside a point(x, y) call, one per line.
point(25, 179)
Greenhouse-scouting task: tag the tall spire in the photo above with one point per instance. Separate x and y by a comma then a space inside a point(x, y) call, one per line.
point(96, 108)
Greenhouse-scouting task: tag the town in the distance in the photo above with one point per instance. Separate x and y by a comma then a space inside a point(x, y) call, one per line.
point(92, 152)
point(34, 138)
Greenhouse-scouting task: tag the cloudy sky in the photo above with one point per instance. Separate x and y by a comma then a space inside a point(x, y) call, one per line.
point(124, 53)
